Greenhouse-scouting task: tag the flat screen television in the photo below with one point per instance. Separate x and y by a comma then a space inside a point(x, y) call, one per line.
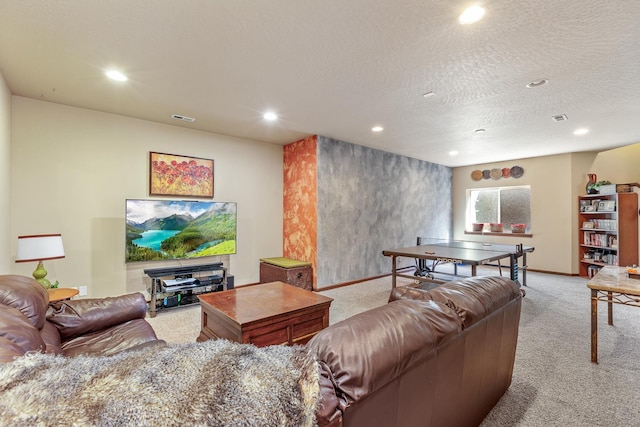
point(176, 229)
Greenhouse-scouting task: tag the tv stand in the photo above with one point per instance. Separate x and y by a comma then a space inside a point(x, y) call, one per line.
point(179, 286)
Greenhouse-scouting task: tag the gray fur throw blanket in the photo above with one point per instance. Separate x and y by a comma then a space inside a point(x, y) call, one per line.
point(213, 383)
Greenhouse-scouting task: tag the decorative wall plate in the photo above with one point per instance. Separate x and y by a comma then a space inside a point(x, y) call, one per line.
point(476, 175)
point(495, 173)
point(517, 172)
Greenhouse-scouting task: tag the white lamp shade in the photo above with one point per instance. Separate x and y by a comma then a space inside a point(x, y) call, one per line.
point(39, 247)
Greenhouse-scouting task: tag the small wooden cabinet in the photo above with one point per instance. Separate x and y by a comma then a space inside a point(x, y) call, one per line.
point(292, 272)
point(608, 231)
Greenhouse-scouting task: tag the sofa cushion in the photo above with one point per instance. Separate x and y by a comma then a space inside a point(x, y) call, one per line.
point(16, 327)
point(409, 292)
point(370, 349)
point(25, 294)
point(111, 340)
point(74, 318)
point(475, 298)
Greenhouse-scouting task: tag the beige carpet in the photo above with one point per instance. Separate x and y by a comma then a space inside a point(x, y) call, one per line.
point(554, 382)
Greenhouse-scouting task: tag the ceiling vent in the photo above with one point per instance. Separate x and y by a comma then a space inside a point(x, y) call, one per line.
point(183, 118)
point(560, 118)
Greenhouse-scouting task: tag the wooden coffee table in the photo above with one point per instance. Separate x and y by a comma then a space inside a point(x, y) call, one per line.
point(265, 314)
point(613, 286)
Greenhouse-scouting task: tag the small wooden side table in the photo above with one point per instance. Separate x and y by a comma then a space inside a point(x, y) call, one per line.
point(59, 294)
point(613, 286)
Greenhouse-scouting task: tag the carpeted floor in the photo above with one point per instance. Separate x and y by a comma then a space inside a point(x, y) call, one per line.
point(554, 382)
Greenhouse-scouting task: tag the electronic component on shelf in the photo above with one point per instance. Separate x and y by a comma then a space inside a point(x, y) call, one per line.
point(187, 281)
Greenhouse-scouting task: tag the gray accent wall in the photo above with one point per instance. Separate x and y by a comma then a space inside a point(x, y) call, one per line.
point(370, 200)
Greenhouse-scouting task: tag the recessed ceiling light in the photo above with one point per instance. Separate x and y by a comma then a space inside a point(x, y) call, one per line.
point(471, 15)
point(428, 94)
point(537, 83)
point(271, 116)
point(377, 129)
point(453, 153)
point(116, 75)
point(480, 130)
point(581, 131)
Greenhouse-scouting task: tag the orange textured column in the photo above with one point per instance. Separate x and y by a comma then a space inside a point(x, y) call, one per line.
point(300, 202)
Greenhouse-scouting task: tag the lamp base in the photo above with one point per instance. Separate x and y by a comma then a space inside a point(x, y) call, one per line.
point(39, 274)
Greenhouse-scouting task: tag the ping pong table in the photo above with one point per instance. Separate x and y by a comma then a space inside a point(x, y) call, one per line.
point(459, 252)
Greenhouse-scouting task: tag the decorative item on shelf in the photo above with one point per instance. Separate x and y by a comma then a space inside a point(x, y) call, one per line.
point(477, 226)
point(40, 248)
point(606, 206)
point(598, 185)
point(591, 189)
point(518, 228)
point(626, 188)
point(495, 173)
point(496, 227)
point(605, 188)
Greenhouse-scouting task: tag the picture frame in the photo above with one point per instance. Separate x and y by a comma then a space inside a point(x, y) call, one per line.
point(589, 208)
point(588, 225)
point(177, 175)
point(607, 206)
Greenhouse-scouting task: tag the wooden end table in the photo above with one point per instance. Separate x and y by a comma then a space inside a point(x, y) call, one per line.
point(613, 286)
point(266, 314)
point(59, 294)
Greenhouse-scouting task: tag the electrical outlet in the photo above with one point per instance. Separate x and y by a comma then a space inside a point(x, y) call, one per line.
point(82, 291)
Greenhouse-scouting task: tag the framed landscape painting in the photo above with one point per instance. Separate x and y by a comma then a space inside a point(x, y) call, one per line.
point(174, 175)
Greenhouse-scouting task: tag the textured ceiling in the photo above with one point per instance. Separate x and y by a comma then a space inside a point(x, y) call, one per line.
point(337, 68)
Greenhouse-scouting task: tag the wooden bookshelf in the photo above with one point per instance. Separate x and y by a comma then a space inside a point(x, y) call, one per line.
point(608, 231)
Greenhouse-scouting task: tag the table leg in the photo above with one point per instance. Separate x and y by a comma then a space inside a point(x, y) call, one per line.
point(473, 270)
point(513, 268)
point(594, 326)
point(609, 308)
point(393, 271)
point(524, 269)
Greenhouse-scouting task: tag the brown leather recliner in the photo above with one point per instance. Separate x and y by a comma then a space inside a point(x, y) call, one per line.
point(100, 326)
point(442, 357)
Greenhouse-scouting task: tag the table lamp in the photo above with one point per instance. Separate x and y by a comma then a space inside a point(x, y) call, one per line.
point(39, 248)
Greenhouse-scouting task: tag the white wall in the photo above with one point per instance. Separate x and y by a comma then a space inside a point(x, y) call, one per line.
point(5, 177)
point(73, 169)
point(551, 208)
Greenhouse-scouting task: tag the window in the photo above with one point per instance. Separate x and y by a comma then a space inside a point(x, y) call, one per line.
point(506, 205)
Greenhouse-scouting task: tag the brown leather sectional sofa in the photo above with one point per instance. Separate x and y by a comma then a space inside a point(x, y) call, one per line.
point(439, 357)
point(442, 357)
point(101, 326)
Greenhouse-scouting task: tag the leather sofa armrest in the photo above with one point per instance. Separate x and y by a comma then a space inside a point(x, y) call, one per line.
point(9, 350)
point(328, 413)
point(75, 318)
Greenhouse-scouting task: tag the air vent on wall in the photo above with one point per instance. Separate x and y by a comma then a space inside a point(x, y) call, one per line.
point(560, 118)
point(183, 118)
